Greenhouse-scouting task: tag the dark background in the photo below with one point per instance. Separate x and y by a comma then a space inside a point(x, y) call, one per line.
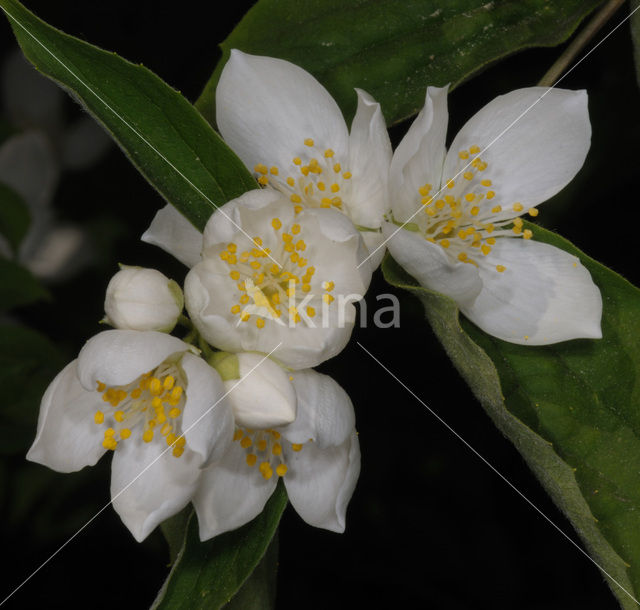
point(430, 525)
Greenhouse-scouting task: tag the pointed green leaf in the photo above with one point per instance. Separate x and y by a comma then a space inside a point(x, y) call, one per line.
point(14, 216)
point(160, 131)
point(571, 409)
point(397, 48)
point(206, 575)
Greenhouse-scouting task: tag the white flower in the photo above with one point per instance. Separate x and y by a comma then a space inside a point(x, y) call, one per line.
point(275, 277)
point(142, 299)
point(317, 456)
point(157, 406)
point(464, 235)
point(289, 131)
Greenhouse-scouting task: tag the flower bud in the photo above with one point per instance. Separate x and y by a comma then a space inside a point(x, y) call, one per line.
point(142, 299)
point(262, 395)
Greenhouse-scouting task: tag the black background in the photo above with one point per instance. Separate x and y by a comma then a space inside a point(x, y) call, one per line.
point(430, 525)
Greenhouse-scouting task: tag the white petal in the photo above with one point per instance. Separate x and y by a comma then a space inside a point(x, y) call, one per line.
point(266, 108)
point(207, 422)
point(230, 494)
point(325, 411)
point(320, 482)
point(369, 159)
point(117, 357)
point(374, 242)
point(149, 484)
point(263, 397)
point(172, 232)
point(419, 157)
point(67, 437)
point(544, 296)
point(431, 266)
point(536, 140)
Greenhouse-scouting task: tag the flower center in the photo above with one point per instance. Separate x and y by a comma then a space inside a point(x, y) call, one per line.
point(317, 180)
point(153, 403)
point(275, 290)
point(462, 218)
point(264, 448)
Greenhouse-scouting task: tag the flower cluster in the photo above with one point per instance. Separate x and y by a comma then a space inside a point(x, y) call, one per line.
point(217, 417)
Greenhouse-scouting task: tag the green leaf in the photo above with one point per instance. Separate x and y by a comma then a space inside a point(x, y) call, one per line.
point(397, 48)
point(164, 136)
point(571, 409)
point(206, 575)
point(28, 362)
point(14, 216)
point(18, 286)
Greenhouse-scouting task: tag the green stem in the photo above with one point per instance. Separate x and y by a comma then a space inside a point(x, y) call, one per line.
point(579, 42)
point(205, 348)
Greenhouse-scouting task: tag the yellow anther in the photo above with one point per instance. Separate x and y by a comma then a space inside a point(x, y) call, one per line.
point(474, 149)
point(251, 459)
point(462, 256)
point(118, 416)
point(490, 194)
point(533, 212)
point(327, 298)
point(170, 438)
point(109, 432)
point(169, 382)
point(500, 268)
point(125, 433)
point(470, 196)
point(175, 412)
point(475, 210)
point(328, 285)
point(147, 437)
point(496, 209)
point(290, 181)
point(234, 275)
point(263, 180)
point(297, 161)
point(463, 154)
point(266, 472)
point(335, 188)
point(425, 189)
point(297, 209)
point(518, 222)
point(246, 442)
point(308, 142)
point(295, 198)
point(177, 451)
point(101, 386)
point(491, 241)
point(527, 234)
point(260, 168)
point(110, 443)
point(176, 393)
point(166, 429)
point(261, 445)
point(468, 175)
point(485, 249)
point(296, 446)
point(518, 207)
point(98, 417)
point(328, 153)
point(281, 470)
point(311, 312)
point(235, 309)
point(135, 394)
point(276, 449)
point(440, 203)
point(450, 184)
point(238, 434)
point(346, 175)
point(274, 171)
point(444, 243)
point(260, 322)
point(155, 387)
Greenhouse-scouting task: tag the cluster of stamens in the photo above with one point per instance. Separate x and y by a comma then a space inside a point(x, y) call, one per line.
point(272, 282)
point(154, 402)
point(461, 218)
point(319, 181)
point(264, 449)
